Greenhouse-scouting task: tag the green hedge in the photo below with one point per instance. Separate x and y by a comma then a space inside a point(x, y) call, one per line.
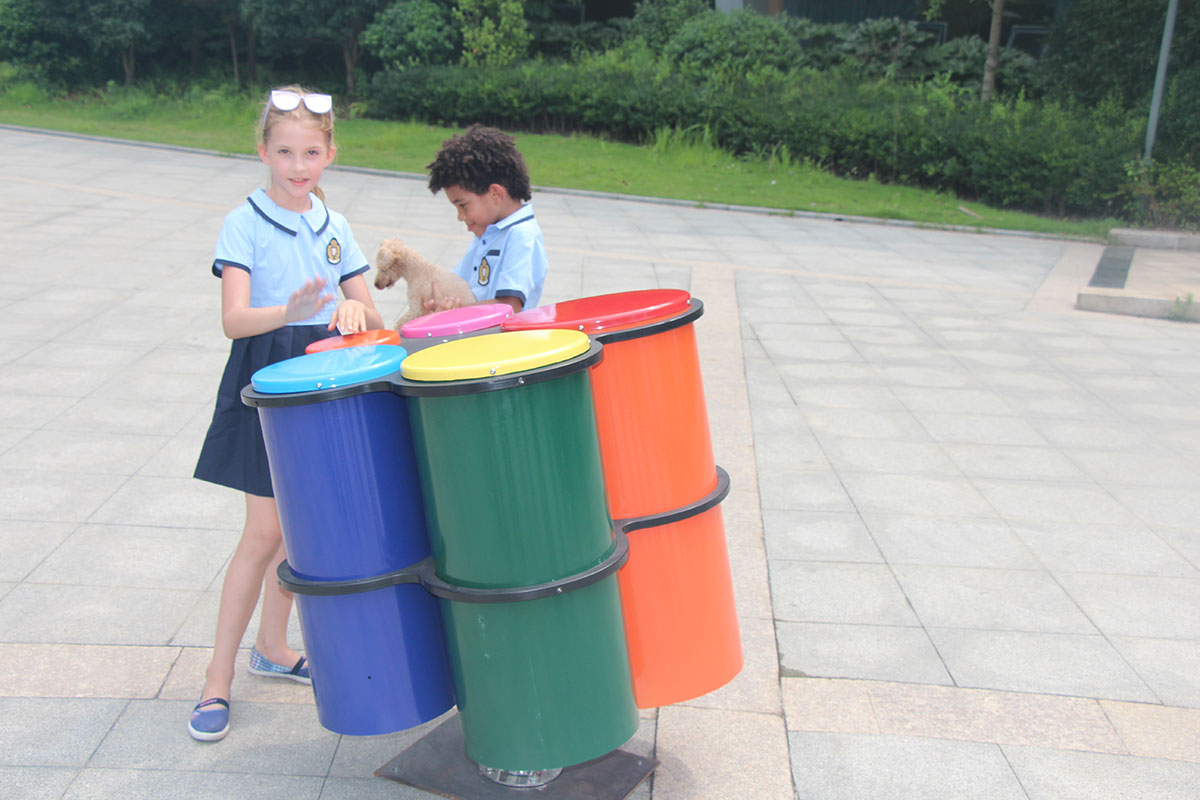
point(1017, 153)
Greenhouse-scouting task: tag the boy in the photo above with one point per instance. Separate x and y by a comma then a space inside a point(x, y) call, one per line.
point(485, 178)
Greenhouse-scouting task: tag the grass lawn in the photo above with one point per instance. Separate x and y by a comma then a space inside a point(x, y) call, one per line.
point(670, 167)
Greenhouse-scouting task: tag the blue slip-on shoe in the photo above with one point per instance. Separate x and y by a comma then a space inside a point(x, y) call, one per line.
point(264, 667)
point(210, 720)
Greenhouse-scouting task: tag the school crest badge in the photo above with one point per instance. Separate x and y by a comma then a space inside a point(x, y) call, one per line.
point(485, 271)
point(333, 252)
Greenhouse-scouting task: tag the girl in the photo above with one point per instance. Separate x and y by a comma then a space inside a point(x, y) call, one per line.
point(276, 255)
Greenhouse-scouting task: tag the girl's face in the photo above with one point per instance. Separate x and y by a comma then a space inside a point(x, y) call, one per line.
point(297, 155)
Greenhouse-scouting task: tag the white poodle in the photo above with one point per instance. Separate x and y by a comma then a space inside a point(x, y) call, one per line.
point(421, 276)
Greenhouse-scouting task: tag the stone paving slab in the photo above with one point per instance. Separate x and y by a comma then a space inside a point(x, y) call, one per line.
point(961, 525)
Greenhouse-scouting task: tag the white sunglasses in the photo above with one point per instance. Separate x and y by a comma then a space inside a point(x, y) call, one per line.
point(287, 100)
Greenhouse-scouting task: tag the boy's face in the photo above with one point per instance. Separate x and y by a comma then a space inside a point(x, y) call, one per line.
point(477, 211)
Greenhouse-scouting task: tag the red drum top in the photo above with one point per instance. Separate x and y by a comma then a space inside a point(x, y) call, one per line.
point(604, 313)
point(377, 336)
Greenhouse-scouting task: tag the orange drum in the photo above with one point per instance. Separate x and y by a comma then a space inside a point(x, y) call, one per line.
point(677, 596)
point(649, 399)
point(361, 339)
point(662, 486)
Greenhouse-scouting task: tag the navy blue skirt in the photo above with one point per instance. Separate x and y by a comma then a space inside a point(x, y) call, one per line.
point(234, 454)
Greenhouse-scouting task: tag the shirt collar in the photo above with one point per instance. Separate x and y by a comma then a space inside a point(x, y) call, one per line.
point(317, 217)
point(520, 215)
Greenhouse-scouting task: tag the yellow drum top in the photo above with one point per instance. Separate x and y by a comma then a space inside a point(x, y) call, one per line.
point(494, 354)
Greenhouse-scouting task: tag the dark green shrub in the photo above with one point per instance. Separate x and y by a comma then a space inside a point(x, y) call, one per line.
point(822, 44)
point(1179, 118)
point(727, 43)
point(1164, 194)
point(656, 21)
point(563, 40)
point(1101, 49)
point(892, 47)
point(1014, 152)
point(1100, 46)
point(962, 59)
point(44, 41)
point(412, 32)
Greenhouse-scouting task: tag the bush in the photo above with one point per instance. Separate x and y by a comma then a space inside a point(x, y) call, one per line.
point(729, 43)
point(1164, 194)
point(891, 47)
point(822, 44)
point(563, 40)
point(656, 21)
point(1017, 153)
point(1102, 49)
point(963, 59)
point(412, 32)
point(494, 32)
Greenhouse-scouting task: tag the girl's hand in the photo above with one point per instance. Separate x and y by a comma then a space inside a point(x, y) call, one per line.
point(349, 317)
point(306, 301)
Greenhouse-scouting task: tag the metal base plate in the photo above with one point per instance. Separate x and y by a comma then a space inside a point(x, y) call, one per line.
point(438, 763)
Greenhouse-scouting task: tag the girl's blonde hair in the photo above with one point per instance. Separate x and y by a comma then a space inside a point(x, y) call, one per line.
point(272, 115)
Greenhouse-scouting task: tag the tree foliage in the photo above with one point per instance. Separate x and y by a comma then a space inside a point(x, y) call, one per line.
point(494, 32)
point(42, 38)
point(1103, 49)
point(303, 23)
point(120, 27)
point(413, 32)
point(656, 21)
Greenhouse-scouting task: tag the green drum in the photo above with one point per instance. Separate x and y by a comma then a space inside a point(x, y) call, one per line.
point(509, 460)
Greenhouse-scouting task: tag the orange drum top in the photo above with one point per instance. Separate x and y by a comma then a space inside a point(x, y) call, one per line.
point(605, 312)
point(378, 336)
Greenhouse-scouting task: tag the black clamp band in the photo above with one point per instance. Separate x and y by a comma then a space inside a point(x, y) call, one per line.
point(423, 573)
point(710, 500)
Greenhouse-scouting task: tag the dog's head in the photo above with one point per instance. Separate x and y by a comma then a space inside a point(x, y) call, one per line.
point(389, 262)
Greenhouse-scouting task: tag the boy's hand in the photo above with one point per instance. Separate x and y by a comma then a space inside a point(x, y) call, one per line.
point(439, 303)
point(349, 317)
point(306, 301)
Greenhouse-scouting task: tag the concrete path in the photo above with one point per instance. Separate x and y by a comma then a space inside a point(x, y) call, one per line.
point(963, 522)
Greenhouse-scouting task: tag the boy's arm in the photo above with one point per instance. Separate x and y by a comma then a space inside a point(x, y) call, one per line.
point(508, 300)
point(523, 270)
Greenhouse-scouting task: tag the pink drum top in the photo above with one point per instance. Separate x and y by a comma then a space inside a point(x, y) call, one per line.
point(466, 319)
point(605, 312)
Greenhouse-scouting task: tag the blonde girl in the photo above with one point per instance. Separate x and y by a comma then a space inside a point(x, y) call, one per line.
point(278, 256)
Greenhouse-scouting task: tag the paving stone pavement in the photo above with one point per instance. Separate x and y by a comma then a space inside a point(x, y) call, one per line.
point(963, 523)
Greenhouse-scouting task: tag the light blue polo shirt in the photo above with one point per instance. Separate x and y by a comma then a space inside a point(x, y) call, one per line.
point(509, 260)
point(282, 250)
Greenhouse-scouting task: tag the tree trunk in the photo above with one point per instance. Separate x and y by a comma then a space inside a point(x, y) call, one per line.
point(232, 25)
point(993, 56)
point(251, 56)
point(128, 63)
point(350, 57)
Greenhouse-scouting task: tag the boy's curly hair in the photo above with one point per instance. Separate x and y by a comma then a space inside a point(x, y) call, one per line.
point(477, 158)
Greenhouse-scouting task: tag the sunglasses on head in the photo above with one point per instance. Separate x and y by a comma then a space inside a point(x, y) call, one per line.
point(287, 100)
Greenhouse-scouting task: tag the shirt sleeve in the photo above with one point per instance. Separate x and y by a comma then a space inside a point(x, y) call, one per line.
point(354, 262)
point(522, 251)
point(235, 244)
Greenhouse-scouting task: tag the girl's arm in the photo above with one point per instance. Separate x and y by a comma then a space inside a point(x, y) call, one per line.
point(239, 320)
point(357, 312)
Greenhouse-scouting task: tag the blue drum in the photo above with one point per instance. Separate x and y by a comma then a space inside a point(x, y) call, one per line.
point(349, 500)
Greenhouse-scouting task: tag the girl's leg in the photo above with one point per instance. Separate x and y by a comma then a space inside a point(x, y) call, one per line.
point(258, 549)
point(273, 619)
